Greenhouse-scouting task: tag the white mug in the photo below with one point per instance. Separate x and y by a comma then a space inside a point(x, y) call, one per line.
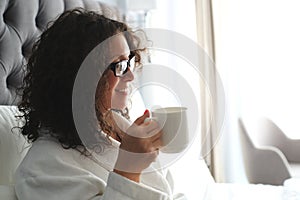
point(173, 121)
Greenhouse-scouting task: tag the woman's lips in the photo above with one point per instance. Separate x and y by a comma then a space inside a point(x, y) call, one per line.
point(122, 91)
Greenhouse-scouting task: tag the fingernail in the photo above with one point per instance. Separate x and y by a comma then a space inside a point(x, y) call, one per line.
point(146, 111)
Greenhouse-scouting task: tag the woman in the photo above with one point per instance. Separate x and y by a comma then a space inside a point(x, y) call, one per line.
point(58, 164)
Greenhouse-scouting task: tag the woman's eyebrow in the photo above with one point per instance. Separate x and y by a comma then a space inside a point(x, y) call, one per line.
point(120, 58)
point(124, 56)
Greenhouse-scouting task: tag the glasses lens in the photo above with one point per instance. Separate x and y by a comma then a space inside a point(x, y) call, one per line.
point(121, 68)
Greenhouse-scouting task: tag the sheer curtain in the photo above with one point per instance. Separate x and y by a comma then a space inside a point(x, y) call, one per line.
point(206, 40)
point(213, 106)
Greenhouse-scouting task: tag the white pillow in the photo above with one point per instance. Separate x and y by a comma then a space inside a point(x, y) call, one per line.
point(13, 145)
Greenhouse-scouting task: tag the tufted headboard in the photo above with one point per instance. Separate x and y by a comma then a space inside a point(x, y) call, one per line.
point(21, 23)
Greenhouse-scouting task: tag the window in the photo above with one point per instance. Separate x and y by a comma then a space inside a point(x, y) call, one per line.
point(257, 45)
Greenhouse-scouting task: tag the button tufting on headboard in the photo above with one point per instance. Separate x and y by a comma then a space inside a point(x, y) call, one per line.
point(21, 23)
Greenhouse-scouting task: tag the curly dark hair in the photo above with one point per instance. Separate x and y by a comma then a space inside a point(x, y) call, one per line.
point(52, 68)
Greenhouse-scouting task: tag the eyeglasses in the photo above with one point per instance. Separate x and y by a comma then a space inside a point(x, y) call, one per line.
point(120, 68)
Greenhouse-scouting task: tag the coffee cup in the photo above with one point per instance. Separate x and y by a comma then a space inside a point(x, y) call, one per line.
point(173, 123)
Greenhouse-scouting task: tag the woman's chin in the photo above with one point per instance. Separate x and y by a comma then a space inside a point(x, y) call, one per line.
point(118, 106)
point(120, 103)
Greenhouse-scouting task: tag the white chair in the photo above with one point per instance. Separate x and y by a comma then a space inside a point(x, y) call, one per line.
point(263, 165)
point(269, 134)
point(13, 148)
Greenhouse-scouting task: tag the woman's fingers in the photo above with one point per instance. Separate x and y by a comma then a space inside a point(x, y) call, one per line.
point(151, 127)
point(144, 129)
point(142, 136)
point(142, 118)
point(157, 143)
point(139, 146)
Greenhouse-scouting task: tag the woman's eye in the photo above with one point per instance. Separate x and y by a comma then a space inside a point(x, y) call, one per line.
point(119, 67)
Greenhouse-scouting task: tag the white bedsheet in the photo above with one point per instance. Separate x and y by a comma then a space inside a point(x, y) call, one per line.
point(227, 191)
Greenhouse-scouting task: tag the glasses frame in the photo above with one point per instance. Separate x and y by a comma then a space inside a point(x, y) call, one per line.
point(113, 66)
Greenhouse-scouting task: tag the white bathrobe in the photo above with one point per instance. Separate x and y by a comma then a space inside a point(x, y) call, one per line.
point(49, 171)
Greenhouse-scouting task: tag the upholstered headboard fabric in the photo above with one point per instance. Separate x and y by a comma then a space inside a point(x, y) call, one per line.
point(21, 23)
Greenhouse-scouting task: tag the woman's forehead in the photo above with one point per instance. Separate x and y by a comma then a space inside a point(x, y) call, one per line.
point(118, 47)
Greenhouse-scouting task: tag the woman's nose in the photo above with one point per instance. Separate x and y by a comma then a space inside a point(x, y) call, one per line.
point(128, 76)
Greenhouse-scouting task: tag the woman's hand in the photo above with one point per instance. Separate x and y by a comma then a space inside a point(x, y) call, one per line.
point(139, 147)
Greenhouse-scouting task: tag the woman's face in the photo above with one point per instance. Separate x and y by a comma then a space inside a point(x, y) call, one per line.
point(118, 91)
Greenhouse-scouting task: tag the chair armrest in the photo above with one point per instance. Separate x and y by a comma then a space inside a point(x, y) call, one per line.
point(275, 172)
